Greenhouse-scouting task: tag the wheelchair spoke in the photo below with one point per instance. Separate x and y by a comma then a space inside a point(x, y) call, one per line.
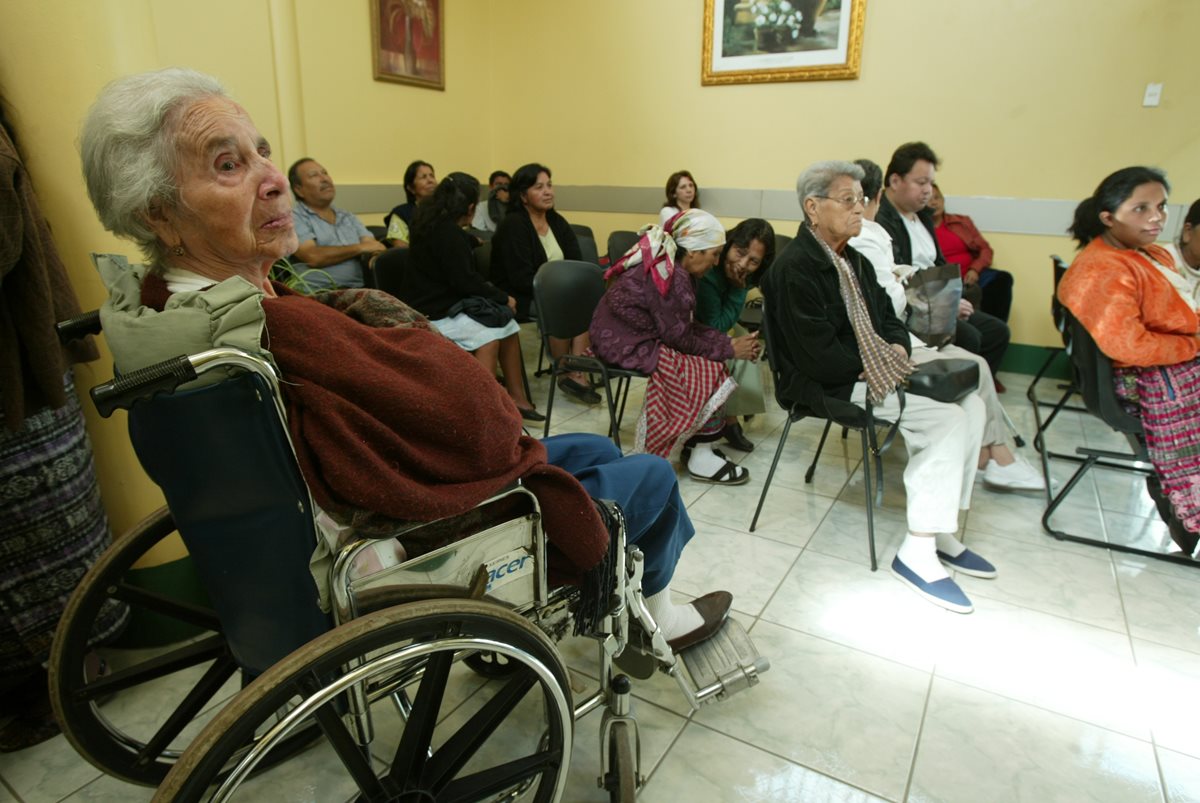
point(353, 757)
point(221, 670)
point(500, 778)
point(408, 765)
point(191, 655)
point(167, 606)
point(460, 747)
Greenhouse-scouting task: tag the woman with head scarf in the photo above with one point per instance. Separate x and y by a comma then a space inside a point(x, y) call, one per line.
point(645, 322)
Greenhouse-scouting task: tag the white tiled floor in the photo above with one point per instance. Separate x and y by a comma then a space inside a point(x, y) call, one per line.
point(1077, 677)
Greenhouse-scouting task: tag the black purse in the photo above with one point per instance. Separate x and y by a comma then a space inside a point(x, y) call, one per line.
point(946, 380)
point(483, 310)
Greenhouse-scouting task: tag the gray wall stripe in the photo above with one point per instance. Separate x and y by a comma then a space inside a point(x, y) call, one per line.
point(1038, 216)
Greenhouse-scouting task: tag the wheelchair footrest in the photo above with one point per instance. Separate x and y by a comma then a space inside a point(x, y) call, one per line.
point(724, 664)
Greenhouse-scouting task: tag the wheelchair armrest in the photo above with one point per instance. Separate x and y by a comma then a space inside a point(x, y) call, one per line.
point(125, 391)
point(78, 327)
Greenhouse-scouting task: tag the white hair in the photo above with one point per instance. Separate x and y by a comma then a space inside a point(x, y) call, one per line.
point(816, 179)
point(128, 149)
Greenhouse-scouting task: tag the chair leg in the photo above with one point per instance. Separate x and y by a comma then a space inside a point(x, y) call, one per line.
point(762, 497)
point(614, 431)
point(550, 404)
point(812, 469)
point(866, 464)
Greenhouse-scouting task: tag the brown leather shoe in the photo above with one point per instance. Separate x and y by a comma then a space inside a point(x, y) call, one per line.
point(714, 609)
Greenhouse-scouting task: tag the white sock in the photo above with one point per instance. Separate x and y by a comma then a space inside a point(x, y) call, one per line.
point(675, 620)
point(918, 552)
point(948, 543)
point(704, 461)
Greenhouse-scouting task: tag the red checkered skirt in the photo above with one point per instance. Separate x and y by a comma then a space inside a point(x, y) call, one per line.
point(1167, 398)
point(686, 394)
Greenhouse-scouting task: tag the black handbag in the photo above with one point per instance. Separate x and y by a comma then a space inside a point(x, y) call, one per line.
point(946, 380)
point(483, 310)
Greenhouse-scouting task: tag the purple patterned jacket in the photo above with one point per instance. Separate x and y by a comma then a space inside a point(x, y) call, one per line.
point(632, 319)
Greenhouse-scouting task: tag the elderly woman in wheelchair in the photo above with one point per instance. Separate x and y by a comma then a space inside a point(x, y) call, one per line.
point(383, 436)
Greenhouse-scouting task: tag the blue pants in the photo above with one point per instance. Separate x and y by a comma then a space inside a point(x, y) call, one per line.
point(646, 489)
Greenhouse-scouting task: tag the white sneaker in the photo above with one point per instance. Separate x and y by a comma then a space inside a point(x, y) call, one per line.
point(1016, 476)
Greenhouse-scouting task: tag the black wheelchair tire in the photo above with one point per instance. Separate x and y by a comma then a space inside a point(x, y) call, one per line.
point(433, 632)
point(620, 780)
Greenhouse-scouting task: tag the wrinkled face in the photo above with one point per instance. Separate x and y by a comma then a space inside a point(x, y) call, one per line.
point(741, 263)
point(316, 187)
point(540, 196)
point(424, 182)
point(1140, 218)
point(233, 215)
point(685, 192)
point(912, 191)
point(839, 216)
point(698, 263)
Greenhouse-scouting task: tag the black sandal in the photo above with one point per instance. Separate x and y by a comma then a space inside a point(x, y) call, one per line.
point(729, 474)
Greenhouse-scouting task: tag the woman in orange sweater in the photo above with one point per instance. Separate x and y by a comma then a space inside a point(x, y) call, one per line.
point(1141, 311)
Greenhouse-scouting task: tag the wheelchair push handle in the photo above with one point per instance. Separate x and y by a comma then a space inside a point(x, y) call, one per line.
point(125, 391)
point(78, 327)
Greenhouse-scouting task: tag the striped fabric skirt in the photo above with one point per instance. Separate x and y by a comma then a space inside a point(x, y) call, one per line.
point(53, 528)
point(685, 396)
point(1167, 399)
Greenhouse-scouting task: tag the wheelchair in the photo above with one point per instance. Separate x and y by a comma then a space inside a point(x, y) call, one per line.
point(375, 680)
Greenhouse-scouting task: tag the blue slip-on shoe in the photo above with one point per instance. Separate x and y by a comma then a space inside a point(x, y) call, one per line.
point(944, 593)
point(969, 563)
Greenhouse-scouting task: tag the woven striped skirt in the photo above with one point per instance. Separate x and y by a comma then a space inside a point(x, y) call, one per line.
point(1167, 399)
point(685, 396)
point(52, 528)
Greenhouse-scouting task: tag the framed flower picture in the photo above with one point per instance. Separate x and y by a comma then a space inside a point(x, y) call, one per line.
point(758, 41)
point(409, 42)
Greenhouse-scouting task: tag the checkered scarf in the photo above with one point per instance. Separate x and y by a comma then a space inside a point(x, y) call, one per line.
point(884, 367)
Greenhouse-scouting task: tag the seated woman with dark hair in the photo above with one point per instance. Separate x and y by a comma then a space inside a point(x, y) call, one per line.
point(645, 322)
point(441, 275)
point(532, 234)
point(682, 195)
point(1141, 309)
point(720, 297)
point(963, 245)
point(1186, 250)
point(382, 428)
point(419, 183)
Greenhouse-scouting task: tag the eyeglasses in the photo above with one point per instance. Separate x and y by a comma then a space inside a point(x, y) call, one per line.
point(849, 201)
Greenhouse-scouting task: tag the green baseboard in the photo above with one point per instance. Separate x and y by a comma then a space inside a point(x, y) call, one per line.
point(176, 579)
point(1024, 359)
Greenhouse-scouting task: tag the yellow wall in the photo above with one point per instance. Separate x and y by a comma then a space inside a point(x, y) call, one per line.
point(1021, 98)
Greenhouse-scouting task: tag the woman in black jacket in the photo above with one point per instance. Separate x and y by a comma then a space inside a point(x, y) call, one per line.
point(532, 234)
point(441, 274)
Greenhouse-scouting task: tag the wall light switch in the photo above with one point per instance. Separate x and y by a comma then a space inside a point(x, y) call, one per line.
point(1153, 95)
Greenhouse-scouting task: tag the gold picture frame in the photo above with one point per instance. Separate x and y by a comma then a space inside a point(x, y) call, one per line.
point(408, 39)
point(763, 41)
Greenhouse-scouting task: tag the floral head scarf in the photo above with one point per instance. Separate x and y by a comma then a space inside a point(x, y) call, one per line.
point(692, 230)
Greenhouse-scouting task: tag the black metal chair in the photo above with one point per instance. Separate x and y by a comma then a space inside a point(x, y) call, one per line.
point(483, 259)
point(587, 249)
point(567, 292)
point(618, 243)
point(833, 410)
point(1094, 384)
point(583, 231)
point(1068, 388)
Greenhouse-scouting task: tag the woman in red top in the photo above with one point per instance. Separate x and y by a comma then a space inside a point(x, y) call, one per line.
point(962, 244)
point(1141, 311)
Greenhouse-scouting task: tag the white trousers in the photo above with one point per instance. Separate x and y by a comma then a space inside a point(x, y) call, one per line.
point(994, 428)
point(943, 443)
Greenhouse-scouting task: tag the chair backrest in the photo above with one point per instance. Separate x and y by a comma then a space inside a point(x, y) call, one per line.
point(1094, 378)
point(222, 457)
point(618, 243)
point(483, 259)
point(781, 241)
point(587, 248)
point(389, 268)
point(567, 292)
point(378, 232)
point(583, 231)
point(1057, 310)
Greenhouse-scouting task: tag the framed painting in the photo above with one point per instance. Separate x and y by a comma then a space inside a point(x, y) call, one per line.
point(759, 41)
point(409, 42)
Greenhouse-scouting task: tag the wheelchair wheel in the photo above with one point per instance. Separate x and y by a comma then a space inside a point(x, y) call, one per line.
point(127, 736)
point(491, 664)
point(619, 780)
point(510, 737)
